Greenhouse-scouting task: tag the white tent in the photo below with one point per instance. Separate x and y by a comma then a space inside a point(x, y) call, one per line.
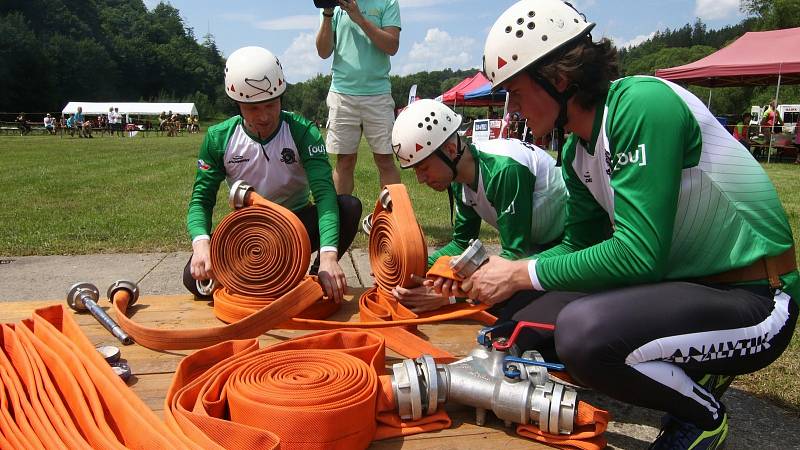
point(145, 109)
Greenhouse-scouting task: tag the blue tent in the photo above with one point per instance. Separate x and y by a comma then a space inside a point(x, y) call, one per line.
point(485, 93)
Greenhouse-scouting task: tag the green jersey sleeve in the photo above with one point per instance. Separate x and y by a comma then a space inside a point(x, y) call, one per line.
point(511, 193)
point(648, 145)
point(314, 157)
point(467, 225)
point(209, 175)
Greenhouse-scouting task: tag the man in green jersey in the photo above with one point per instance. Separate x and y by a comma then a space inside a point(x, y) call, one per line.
point(279, 153)
point(677, 268)
point(513, 186)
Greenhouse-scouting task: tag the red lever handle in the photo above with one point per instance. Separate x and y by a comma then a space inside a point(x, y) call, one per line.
point(520, 326)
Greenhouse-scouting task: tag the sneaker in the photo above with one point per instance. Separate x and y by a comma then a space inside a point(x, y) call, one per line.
point(715, 384)
point(678, 435)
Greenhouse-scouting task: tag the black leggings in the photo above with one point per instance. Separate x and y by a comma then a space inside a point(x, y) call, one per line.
point(645, 344)
point(349, 221)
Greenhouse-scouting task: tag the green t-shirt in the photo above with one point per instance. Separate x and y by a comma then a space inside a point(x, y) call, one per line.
point(281, 168)
point(662, 192)
point(359, 67)
point(519, 191)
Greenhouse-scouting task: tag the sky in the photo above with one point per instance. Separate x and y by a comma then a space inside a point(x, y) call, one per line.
point(436, 34)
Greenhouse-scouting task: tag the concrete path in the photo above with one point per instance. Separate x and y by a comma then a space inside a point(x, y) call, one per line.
point(755, 424)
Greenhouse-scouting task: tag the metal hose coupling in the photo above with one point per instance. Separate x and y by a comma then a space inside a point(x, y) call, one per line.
point(83, 297)
point(470, 259)
point(515, 389)
point(238, 193)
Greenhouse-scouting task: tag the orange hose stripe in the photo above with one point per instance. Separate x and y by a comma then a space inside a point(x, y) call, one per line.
point(58, 392)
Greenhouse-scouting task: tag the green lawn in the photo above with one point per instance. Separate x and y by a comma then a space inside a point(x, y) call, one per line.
point(109, 194)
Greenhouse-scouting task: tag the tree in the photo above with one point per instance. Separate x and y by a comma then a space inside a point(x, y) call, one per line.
point(26, 85)
point(773, 14)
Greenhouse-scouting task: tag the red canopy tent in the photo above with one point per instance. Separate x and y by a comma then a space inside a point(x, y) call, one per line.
point(755, 59)
point(455, 96)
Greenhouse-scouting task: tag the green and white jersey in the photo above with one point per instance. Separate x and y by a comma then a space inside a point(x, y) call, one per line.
point(518, 191)
point(281, 168)
point(662, 192)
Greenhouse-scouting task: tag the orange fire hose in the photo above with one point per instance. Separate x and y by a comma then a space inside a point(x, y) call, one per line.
point(260, 254)
point(239, 397)
point(56, 391)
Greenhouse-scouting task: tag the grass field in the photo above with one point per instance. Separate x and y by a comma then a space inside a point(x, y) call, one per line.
point(110, 194)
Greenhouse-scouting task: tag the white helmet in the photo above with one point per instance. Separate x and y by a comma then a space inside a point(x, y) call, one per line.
point(421, 129)
point(253, 75)
point(528, 31)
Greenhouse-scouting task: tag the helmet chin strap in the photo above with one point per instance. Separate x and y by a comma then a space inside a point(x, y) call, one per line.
point(451, 163)
point(561, 98)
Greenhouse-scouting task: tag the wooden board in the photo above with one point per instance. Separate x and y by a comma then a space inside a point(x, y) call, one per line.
point(152, 370)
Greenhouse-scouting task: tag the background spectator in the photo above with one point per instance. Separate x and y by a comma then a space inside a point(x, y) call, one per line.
point(772, 120)
point(741, 131)
point(361, 35)
point(49, 124)
point(22, 123)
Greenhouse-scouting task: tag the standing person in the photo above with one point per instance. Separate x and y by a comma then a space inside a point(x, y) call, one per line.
point(514, 187)
point(772, 119)
point(661, 290)
point(361, 35)
point(116, 116)
point(279, 153)
point(110, 120)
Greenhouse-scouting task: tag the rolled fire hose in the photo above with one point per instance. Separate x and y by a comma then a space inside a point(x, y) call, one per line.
point(265, 238)
point(240, 397)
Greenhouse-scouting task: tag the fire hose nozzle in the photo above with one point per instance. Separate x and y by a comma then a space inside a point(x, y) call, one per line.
point(238, 194)
point(83, 297)
point(516, 390)
point(468, 261)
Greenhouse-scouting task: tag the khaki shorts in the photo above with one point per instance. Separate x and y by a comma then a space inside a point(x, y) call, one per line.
point(349, 114)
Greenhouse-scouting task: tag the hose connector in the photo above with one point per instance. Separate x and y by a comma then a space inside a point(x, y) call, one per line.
point(238, 193)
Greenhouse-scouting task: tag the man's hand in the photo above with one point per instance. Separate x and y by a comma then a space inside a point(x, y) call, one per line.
point(497, 280)
point(421, 298)
point(447, 287)
point(201, 260)
point(331, 276)
point(352, 10)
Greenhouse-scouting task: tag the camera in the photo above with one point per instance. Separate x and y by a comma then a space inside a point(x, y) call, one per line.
point(326, 3)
